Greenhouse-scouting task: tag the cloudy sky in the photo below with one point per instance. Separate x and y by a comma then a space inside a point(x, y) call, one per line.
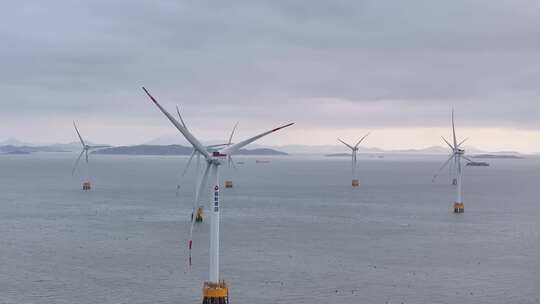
point(336, 68)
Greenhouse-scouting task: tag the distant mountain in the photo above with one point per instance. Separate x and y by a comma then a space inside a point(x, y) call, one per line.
point(428, 150)
point(173, 150)
point(14, 142)
point(146, 150)
point(317, 149)
point(27, 149)
point(260, 151)
point(501, 156)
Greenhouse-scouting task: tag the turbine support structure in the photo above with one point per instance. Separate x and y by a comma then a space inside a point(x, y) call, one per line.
point(459, 207)
point(215, 291)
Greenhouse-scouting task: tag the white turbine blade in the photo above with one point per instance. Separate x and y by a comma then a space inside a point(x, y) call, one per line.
point(99, 147)
point(360, 141)
point(231, 162)
point(189, 162)
point(462, 142)
point(454, 130)
point(180, 116)
point(181, 177)
point(79, 134)
point(346, 144)
point(442, 167)
point(77, 162)
point(468, 159)
point(234, 148)
point(216, 146)
point(202, 184)
point(451, 167)
point(200, 188)
point(194, 142)
point(232, 133)
point(449, 145)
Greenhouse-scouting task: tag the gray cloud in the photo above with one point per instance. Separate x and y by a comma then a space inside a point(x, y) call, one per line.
point(352, 63)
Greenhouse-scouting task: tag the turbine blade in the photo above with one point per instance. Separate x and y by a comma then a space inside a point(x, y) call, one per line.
point(454, 130)
point(200, 188)
point(234, 148)
point(468, 159)
point(77, 163)
point(189, 137)
point(79, 134)
point(449, 145)
point(98, 146)
point(462, 142)
point(181, 177)
point(442, 167)
point(232, 133)
point(216, 146)
point(361, 139)
point(346, 144)
point(180, 116)
point(231, 162)
point(202, 184)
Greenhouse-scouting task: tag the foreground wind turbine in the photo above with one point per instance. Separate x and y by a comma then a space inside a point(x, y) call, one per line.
point(455, 159)
point(85, 149)
point(214, 291)
point(354, 151)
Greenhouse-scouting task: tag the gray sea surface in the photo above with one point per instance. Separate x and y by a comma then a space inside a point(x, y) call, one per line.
point(293, 231)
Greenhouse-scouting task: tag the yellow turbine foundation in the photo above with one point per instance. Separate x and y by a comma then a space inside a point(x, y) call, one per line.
point(355, 183)
point(459, 207)
point(215, 293)
point(199, 215)
point(228, 184)
point(86, 186)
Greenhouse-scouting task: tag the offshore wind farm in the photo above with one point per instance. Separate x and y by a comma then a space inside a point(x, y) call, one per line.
point(247, 173)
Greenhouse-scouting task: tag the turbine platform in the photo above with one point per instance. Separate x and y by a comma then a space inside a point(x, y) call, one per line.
point(355, 183)
point(228, 184)
point(215, 293)
point(86, 186)
point(198, 215)
point(459, 207)
point(454, 181)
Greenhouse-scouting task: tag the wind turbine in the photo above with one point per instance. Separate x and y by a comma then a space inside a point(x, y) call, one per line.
point(354, 151)
point(455, 158)
point(214, 291)
point(85, 149)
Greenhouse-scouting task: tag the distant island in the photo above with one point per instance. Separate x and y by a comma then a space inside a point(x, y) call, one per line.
point(173, 150)
point(490, 156)
point(9, 149)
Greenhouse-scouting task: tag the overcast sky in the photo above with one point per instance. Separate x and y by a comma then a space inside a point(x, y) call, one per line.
point(336, 68)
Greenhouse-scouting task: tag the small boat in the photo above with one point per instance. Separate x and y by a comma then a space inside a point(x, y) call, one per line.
point(262, 161)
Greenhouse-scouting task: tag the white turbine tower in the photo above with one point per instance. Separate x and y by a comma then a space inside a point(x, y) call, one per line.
point(214, 291)
point(455, 159)
point(354, 151)
point(85, 149)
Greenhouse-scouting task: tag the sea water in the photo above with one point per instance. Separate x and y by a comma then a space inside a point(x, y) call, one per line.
point(293, 231)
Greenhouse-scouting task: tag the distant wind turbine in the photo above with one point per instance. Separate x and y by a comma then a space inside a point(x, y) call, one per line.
point(85, 149)
point(354, 151)
point(455, 159)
